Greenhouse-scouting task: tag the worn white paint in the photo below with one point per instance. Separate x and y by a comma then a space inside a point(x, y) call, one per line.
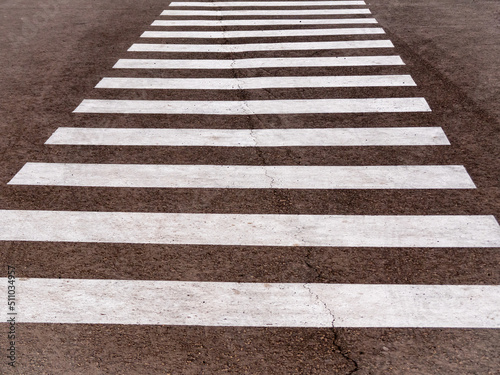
point(73, 301)
point(301, 12)
point(264, 22)
point(218, 4)
point(256, 63)
point(252, 47)
point(251, 107)
point(418, 136)
point(251, 230)
point(261, 33)
point(251, 83)
point(245, 176)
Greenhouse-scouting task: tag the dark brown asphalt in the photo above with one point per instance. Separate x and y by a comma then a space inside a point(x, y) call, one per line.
point(52, 55)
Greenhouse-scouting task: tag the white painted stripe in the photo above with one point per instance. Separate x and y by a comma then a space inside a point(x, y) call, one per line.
point(250, 230)
point(73, 301)
point(251, 107)
point(250, 138)
point(262, 33)
point(218, 4)
point(264, 22)
point(224, 13)
point(250, 83)
point(245, 176)
point(255, 63)
point(235, 48)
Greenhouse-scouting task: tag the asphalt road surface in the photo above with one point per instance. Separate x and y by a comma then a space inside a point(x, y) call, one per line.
point(299, 187)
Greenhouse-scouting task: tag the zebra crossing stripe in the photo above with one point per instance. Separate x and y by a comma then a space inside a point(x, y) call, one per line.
point(253, 47)
point(245, 176)
point(252, 107)
point(250, 83)
point(85, 301)
point(255, 63)
point(224, 13)
point(262, 33)
point(437, 231)
point(264, 22)
point(418, 136)
point(217, 4)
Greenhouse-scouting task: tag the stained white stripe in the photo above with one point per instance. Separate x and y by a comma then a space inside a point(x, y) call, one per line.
point(263, 22)
point(250, 230)
point(251, 107)
point(249, 83)
point(224, 13)
point(73, 301)
point(217, 4)
point(245, 176)
point(235, 48)
point(250, 138)
point(261, 33)
point(256, 63)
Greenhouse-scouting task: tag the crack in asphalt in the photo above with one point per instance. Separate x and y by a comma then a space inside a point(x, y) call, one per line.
point(272, 180)
point(337, 346)
point(241, 93)
point(254, 138)
point(311, 267)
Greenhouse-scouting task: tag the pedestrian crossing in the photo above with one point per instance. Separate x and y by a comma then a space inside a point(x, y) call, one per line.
point(228, 303)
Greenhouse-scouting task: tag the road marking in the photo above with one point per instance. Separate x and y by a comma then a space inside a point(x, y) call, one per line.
point(217, 4)
point(255, 63)
point(225, 13)
point(73, 301)
point(250, 230)
point(245, 176)
point(418, 136)
point(251, 83)
point(262, 33)
point(264, 22)
point(251, 107)
point(235, 48)
point(80, 301)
